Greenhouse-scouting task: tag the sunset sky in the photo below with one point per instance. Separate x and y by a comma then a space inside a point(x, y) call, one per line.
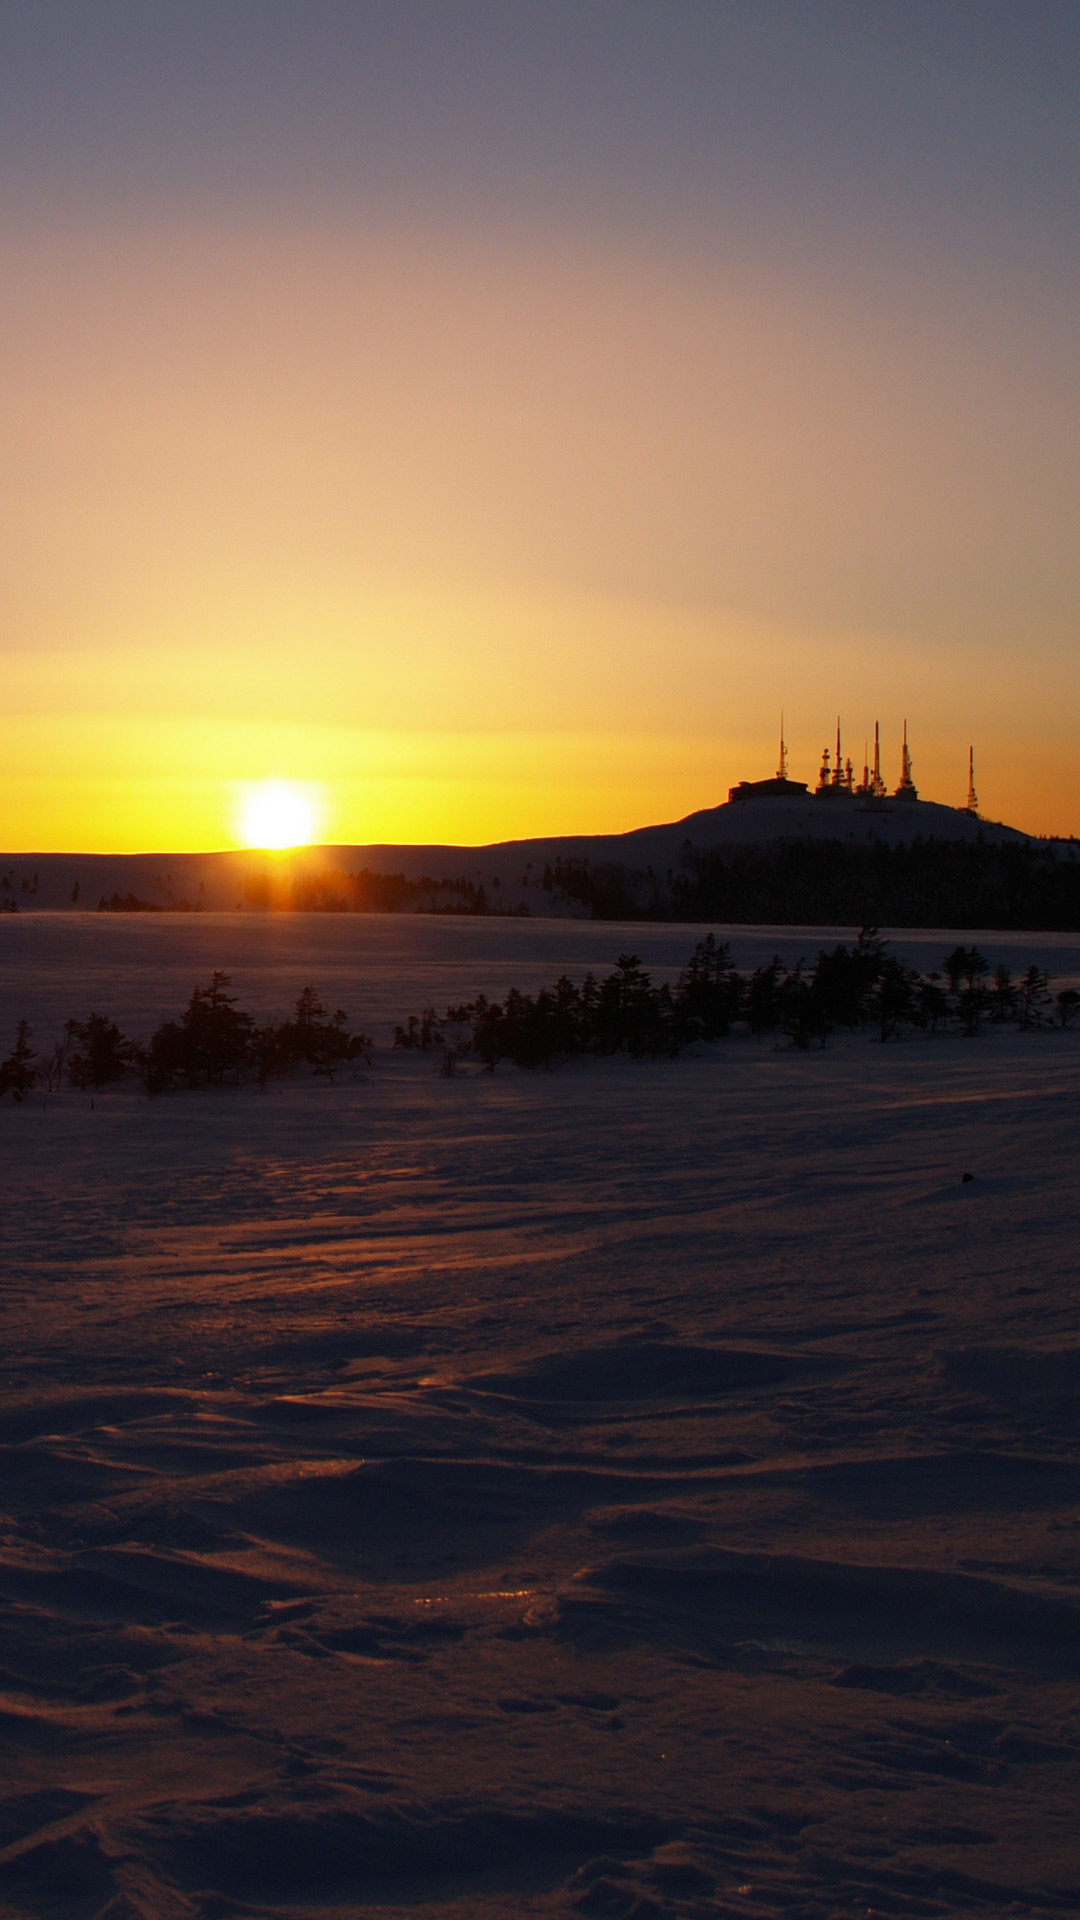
point(490, 415)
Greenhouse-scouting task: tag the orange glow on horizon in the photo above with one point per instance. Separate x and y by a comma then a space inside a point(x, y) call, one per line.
point(495, 537)
point(147, 783)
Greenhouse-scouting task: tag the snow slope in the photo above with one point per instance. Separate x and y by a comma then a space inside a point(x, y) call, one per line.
point(639, 1489)
point(141, 968)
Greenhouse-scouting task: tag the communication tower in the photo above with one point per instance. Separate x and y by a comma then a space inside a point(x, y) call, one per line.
point(877, 784)
point(907, 790)
point(973, 798)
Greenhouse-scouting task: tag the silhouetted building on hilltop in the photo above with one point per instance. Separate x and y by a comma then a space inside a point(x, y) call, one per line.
point(778, 788)
point(769, 789)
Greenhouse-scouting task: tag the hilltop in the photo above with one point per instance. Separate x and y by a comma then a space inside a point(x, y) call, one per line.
point(511, 872)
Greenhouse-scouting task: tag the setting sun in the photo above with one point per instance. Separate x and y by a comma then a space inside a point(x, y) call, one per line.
point(277, 813)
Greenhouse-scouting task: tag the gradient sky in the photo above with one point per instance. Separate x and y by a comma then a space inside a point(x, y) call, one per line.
point(495, 412)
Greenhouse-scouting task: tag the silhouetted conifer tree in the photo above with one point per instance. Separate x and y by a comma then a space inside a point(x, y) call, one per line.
point(1032, 998)
point(97, 1052)
point(20, 1070)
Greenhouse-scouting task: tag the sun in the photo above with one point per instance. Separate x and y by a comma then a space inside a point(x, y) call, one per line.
point(277, 813)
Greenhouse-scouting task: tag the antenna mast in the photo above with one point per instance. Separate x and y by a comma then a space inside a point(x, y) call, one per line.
point(782, 769)
point(973, 798)
point(907, 789)
point(877, 786)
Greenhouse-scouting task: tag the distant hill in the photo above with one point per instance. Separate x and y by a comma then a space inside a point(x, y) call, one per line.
point(658, 871)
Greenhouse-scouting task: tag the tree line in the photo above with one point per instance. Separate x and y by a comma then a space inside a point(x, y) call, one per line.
point(857, 985)
point(1020, 886)
point(214, 1041)
point(332, 890)
point(853, 985)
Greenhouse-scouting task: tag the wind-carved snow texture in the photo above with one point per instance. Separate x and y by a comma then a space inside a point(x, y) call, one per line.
point(636, 1489)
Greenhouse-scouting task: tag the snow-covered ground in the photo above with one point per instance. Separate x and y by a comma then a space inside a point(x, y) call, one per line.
point(637, 1489)
point(140, 968)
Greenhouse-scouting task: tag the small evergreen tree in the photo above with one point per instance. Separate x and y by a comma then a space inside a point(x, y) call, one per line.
point(763, 996)
point(709, 989)
point(19, 1071)
point(1032, 998)
point(97, 1052)
point(1067, 1003)
point(894, 997)
point(212, 1039)
point(1002, 995)
point(931, 1002)
point(314, 1038)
